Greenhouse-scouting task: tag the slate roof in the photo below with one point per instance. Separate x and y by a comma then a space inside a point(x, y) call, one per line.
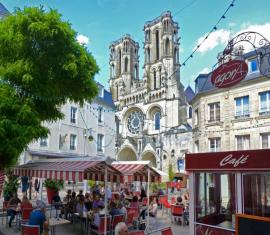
point(189, 93)
point(107, 97)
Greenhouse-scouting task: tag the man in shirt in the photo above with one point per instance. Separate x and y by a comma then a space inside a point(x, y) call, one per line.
point(12, 208)
point(121, 229)
point(38, 217)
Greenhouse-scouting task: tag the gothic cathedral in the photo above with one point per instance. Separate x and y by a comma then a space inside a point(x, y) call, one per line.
point(151, 113)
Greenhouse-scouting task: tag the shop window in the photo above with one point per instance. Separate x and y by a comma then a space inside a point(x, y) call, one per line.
point(257, 194)
point(265, 140)
point(264, 103)
point(73, 114)
point(242, 142)
point(73, 142)
point(214, 112)
point(253, 66)
point(214, 144)
point(242, 107)
point(215, 199)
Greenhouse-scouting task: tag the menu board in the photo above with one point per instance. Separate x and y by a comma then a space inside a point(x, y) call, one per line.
point(252, 225)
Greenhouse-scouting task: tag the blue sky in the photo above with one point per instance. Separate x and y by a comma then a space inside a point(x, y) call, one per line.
point(103, 21)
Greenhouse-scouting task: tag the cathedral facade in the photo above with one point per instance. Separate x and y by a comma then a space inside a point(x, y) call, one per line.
point(151, 112)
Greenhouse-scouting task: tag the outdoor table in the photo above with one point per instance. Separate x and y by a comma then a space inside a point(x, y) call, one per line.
point(53, 222)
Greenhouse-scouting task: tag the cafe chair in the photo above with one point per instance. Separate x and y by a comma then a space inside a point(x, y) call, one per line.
point(25, 216)
point(101, 228)
point(117, 219)
point(30, 229)
point(167, 205)
point(166, 231)
point(129, 222)
point(177, 212)
point(140, 232)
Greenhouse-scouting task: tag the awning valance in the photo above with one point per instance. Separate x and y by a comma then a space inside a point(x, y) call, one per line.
point(69, 169)
point(136, 171)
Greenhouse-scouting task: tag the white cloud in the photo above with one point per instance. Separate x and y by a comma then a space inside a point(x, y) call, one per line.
point(83, 40)
point(232, 24)
point(216, 38)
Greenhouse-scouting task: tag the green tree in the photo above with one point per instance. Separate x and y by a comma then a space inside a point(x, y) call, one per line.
point(171, 172)
point(41, 67)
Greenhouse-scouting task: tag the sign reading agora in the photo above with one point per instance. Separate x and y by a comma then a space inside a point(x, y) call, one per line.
point(229, 74)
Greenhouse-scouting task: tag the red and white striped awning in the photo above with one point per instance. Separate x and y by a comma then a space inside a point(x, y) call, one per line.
point(136, 171)
point(69, 169)
point(2, 180)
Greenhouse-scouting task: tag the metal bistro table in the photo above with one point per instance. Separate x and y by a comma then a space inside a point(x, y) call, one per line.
point(53, 222)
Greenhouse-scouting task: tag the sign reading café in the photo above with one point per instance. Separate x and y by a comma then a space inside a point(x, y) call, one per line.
point(229, 74)
point(240, 160)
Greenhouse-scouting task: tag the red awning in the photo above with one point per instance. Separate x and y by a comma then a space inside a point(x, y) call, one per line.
point(136, 171)
point(2, 180)
point(69, 169)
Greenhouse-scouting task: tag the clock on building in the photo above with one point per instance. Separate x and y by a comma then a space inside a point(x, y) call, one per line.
point(135, 122)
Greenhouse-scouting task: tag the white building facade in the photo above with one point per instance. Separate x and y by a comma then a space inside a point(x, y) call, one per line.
point(151, 119)
point(85, 131)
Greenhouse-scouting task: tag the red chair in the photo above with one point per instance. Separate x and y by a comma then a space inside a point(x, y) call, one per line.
point(167, 231)
point(129, 222)
point(117, 219)
point(141, 232)
point(25, 216)
point(177, 211)
point(101, 228)
point(167, 205)
point(30, 229)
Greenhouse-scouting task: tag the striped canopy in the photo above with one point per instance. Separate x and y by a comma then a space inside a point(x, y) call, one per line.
point(2, 180)
point(69, 169)
point(136, 171)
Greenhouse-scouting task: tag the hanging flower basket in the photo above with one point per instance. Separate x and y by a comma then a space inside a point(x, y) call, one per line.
point(90, 138)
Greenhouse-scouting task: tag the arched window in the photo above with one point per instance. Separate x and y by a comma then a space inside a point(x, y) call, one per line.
point(155, 79)
point(126, 64)
point(119, 61)
point(157, 120)
point(167, 46)
point(175, 55)
point(159, 70)
point(113, 73)
point(136, 71)
point(157, 45)
point(148, 55)
point(190, 112)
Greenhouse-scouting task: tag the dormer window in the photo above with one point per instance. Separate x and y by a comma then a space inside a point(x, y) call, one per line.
point(253, 65)
point(101, 91)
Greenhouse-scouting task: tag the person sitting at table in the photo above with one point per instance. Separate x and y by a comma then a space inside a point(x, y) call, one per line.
point(97, 201)
point(80, 195)
point(179, 201)
point(96, 221)
point(143, 194)
point(68, 196)
point(38, 217)
point(80, 207)
point(108, 191)
point(114, 210)
point(122, 209)
point(121, 229)
point(88, 202)
point(56, 201)
point(135, 202)
point(153, 207)
point(12, 208)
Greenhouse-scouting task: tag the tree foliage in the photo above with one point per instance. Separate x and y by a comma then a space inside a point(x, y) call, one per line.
point(41, 67)
point(171, 172)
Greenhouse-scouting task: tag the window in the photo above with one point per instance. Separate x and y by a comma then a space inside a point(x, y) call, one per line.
point(253, 65)
point(157, 120)
point(100, 115)
point(126, 64)
point(100, 139)
point(43, 142)
point(100, 91)
point(264, 103)
point(214, 112)
point(215, 199)
point(196, 118)
point(167, 47)
point(73, 114)
point(265, 140)
point(190, 112)
point(214, 144)
point(196, 146)
point(155, 80)
point(242, 107)
point(73, 142)
point(148, 55)
point(256, 189)
point(157, 45)
point(242, 142)
point(139, 146)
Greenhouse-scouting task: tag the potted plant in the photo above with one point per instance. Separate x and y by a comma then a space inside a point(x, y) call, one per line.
point(11, 185)
point(53, 186)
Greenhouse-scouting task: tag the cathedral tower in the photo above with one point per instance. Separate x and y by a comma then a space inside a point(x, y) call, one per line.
point(124, 66)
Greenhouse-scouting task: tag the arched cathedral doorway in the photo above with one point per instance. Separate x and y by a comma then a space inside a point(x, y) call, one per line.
point(126, 154)
point(149, 156)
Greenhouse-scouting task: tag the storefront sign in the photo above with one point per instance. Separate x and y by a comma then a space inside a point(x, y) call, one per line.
point(229, 74)
point(231, 160)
